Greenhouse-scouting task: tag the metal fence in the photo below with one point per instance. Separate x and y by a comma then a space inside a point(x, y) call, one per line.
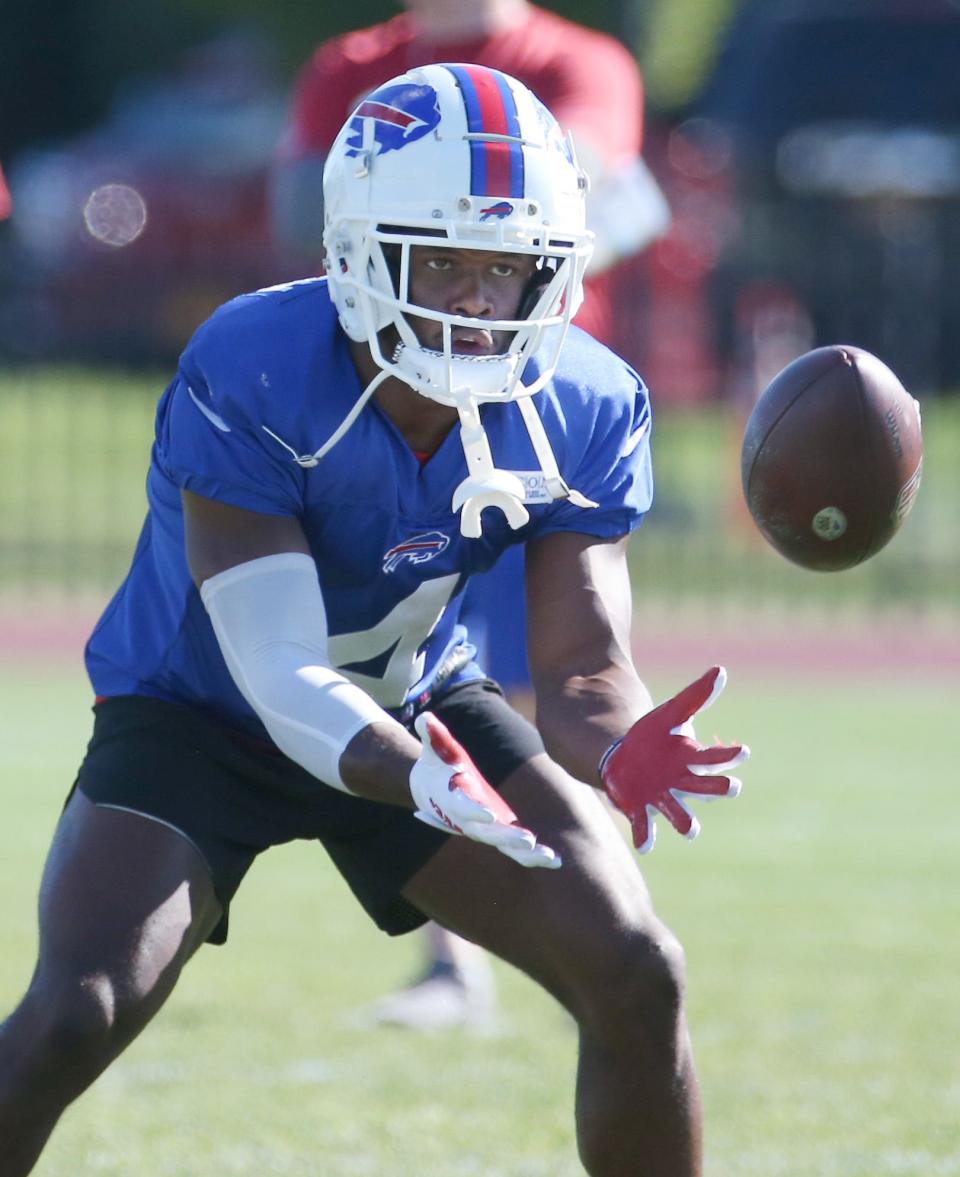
point(74, 448)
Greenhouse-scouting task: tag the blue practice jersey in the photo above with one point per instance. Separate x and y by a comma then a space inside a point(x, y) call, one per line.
point(269, 376)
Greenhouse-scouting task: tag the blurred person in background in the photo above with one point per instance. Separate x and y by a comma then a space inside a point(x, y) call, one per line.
point(6, 211)
point(321, 488)
point(6, 205)
point(593, 87)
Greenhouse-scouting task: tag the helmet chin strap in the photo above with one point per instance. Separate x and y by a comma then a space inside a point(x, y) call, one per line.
point(485, 485)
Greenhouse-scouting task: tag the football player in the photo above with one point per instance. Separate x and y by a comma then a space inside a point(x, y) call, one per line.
point(333, 460)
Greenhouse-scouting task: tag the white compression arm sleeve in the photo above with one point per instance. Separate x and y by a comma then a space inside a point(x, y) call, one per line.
point(270, 622)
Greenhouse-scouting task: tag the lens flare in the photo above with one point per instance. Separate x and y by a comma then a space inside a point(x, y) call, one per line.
point(115, 214)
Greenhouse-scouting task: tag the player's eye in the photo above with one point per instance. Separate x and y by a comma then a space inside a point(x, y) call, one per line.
point(503, 269)
point(438, 263)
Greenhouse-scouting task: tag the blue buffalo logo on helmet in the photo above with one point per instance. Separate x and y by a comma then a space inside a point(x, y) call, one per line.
point(400, 115)
point(503, 208)
point(418, 549)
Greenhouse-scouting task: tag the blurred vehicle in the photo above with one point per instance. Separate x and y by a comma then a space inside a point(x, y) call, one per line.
point(126, 237)
point(842, 121)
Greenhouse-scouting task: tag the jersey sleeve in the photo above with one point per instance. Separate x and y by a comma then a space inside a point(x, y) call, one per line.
point(209, 433)
point(613, 469)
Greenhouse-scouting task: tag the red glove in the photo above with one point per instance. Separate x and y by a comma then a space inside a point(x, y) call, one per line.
point(660, 761)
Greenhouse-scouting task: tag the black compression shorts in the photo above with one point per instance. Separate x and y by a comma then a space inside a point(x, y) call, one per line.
point(234, 796)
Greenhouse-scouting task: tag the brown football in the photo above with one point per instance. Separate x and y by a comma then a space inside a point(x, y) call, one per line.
point(831, 458)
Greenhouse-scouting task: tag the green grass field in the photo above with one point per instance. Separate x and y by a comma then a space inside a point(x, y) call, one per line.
point(820, 912)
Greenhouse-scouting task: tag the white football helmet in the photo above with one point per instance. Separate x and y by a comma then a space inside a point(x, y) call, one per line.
point(468, 155)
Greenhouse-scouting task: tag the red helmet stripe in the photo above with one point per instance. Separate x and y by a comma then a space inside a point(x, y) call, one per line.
point(497, 168)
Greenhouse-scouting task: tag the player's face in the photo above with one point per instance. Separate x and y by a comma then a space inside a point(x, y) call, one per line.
point(476, 284)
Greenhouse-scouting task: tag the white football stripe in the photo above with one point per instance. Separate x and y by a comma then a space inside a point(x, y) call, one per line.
point(215, 418)
point(635, 438)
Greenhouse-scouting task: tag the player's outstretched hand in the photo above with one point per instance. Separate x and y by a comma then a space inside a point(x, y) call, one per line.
point(452, 795)
point(659, 762)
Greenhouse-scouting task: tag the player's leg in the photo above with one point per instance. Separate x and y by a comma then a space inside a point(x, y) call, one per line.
point(589, 935)
point(124, 902)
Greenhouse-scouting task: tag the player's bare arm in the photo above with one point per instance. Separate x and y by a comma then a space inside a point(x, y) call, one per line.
point(592, 709)
point(219, 536)
point(579, 610)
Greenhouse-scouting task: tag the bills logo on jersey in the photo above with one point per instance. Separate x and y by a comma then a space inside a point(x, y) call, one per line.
point(400, 115)
point(503, 208)
point(418, 549)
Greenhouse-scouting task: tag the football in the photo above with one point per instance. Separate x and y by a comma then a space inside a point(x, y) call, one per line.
point(831, 458)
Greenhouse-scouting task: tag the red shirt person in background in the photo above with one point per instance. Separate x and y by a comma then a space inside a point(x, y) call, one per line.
point(6, 204)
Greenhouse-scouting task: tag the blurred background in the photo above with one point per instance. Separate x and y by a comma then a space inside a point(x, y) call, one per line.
point(810, 155)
